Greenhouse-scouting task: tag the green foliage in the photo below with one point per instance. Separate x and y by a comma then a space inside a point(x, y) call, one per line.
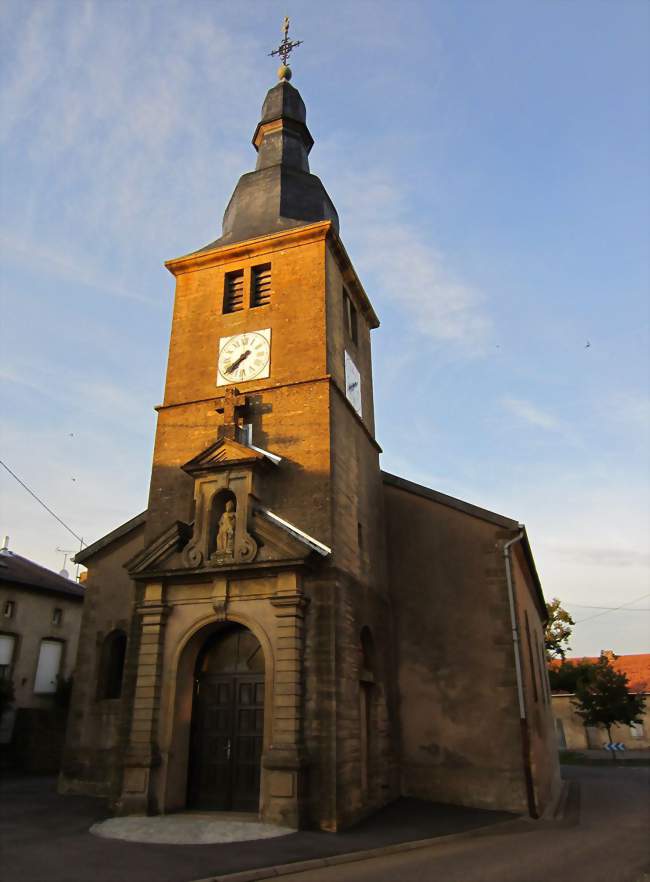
point(6, 695)
point(558, 630)
point(565, 678)
point(603, 699)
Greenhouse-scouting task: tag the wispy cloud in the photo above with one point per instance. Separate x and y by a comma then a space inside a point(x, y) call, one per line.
point(66, 267)
point(531, 414)
point(402, 261)
point(603, 557)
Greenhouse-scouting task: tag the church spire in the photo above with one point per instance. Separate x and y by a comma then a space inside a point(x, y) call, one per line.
point(281, 193)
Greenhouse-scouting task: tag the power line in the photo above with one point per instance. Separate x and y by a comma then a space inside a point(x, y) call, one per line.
point(622, 606)
point(588, 606)
point(40, 502)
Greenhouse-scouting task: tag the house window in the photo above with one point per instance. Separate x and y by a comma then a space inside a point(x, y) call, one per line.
point(111, 665)
point(7, 647)
point(233, 294)
point(57, 616)
point(261, 285)
point(637, 730)
point(49, 665)
point(360, 535)
point(350, 317)
point(8, 609)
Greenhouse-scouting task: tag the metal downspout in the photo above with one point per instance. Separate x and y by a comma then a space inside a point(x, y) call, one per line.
point(530, 791)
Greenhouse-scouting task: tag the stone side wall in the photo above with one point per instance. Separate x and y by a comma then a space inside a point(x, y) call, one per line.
point(96, 731)
point(540, 726)
point(459, 722)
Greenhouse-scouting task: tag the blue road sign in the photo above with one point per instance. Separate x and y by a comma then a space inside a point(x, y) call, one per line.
point(614, 745)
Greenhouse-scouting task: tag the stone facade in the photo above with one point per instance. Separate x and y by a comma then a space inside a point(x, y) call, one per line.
point(40, 618)
point(269, 516)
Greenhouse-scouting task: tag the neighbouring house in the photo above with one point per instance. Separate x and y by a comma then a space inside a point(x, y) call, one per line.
point(40, 618)
point(572, 734)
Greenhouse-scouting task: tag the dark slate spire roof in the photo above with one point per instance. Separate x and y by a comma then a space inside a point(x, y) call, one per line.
point(281, 193)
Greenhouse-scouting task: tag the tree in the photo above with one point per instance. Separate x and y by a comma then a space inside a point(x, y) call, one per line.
point(602, 698)
point(558, 630)
point(565, 677)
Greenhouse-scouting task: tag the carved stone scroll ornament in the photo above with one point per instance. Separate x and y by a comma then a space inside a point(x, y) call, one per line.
point(193, 556)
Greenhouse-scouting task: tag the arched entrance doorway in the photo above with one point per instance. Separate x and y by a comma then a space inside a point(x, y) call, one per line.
point(227, 722)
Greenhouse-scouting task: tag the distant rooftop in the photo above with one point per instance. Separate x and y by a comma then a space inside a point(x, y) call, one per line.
point(635, 667)
point(19, 570)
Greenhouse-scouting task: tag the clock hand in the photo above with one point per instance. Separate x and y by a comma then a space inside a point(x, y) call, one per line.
point(353, 386)
point(236, 364)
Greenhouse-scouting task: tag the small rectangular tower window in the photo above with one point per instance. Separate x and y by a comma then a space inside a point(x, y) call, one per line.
point(8, 609)
point(57, 616)
point(261, 285)
point(350, 316)
point(233, 294)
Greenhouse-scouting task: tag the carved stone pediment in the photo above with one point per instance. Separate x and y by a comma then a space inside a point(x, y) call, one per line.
point(159, 553)
point(223, 454)
point(281, 542)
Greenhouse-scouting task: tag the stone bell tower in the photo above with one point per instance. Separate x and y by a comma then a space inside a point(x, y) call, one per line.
point(260, 591)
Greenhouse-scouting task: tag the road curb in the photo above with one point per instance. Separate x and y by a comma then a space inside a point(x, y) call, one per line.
point(278, 870)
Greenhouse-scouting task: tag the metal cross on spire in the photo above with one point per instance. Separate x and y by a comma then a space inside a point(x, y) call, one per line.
point(284, 50)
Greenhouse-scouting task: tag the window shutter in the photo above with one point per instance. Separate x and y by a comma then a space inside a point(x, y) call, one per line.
point(261, 280)
point(233, 296)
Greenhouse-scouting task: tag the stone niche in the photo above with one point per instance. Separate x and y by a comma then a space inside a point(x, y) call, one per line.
point(222, 515)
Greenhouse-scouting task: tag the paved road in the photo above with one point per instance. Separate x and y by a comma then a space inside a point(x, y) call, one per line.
point(44, 838)
point(607, 841)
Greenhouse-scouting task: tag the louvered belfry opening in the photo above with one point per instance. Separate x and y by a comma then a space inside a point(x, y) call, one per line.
point(233, 295)
point(261, 285)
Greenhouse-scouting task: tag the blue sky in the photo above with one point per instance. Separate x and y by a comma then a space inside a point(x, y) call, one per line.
point(489, 162)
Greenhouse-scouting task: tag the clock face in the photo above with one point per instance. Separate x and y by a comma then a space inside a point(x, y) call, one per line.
point(352, 384)
point(244, 357)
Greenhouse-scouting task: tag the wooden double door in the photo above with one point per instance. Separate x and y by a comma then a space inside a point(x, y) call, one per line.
point(228, 725)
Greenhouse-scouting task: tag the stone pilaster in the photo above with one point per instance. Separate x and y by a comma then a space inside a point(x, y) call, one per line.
point(285, 762)
point(142, 754)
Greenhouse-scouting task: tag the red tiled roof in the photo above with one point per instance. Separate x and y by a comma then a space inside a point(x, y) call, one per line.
point(635, 667)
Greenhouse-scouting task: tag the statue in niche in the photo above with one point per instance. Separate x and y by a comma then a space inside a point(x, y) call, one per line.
point(226, 530)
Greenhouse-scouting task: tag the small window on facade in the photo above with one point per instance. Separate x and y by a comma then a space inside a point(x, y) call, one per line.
point(57, 616)
point(350, 316)
point(360, 535)
point(245, 434)
point(8, 609)
point(233, 295)
point(637, 730)
point(261, 285)
point(7, 647)
point(111, 665)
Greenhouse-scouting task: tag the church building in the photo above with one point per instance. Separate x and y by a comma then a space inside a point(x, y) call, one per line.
point(286, 629)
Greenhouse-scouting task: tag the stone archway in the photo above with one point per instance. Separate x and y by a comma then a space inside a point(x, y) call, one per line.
point(227, 728)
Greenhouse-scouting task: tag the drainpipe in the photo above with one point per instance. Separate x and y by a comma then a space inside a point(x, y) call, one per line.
point(518, 674)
